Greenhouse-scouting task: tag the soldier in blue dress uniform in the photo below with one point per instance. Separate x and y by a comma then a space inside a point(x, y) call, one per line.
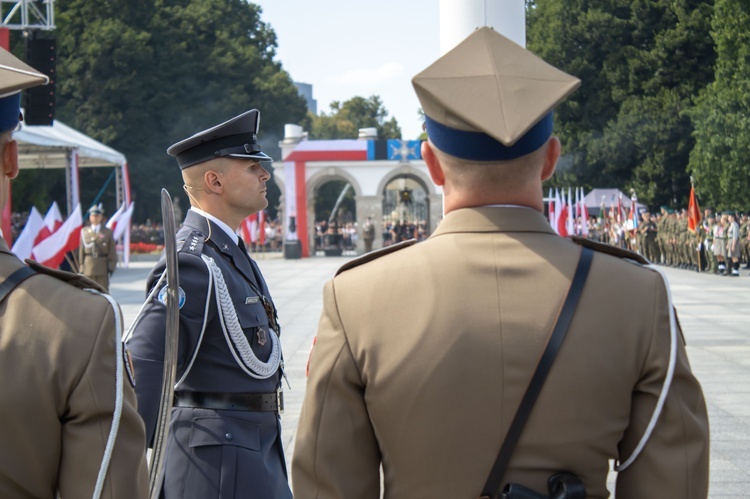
point(225, 434)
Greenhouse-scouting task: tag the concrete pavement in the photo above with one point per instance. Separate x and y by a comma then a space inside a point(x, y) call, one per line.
point(714, 313)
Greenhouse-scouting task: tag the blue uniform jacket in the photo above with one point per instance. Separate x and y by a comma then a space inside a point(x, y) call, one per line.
point(211, 453)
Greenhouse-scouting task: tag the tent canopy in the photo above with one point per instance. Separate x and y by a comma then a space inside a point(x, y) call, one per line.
point(50, 147)
point(608, 198)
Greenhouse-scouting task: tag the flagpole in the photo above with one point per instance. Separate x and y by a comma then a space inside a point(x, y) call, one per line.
point(73, 262)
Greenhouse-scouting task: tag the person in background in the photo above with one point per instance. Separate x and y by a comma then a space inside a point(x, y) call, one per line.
point(368, 234)
point(97, 254)
point(733, 245)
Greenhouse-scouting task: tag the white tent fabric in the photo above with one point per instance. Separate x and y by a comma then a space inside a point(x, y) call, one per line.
point(609, 197)
point(60, 146)
point(48, 146)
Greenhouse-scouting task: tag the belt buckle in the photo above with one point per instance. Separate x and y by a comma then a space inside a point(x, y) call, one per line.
point(280, 400)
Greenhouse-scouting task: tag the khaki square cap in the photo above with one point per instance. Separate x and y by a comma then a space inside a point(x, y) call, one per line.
point(16, 75)
point(491, 85)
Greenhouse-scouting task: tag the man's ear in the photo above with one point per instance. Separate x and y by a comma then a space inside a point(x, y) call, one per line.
point(212, 179)
point(10, 159)
point(433, 164)
point(550, 158)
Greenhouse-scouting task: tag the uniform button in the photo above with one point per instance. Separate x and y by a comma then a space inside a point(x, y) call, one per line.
point(229, 436)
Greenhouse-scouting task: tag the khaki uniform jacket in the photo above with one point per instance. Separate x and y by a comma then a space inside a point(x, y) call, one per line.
point(57, 364)
point(97, 255)
point(423, 355)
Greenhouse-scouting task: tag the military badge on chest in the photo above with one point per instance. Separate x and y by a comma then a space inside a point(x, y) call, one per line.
point(261, 335)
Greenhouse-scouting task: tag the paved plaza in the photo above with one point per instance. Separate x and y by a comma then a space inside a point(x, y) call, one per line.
point(714, 313)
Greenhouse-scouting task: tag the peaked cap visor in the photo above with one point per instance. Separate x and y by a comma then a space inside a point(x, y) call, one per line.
point(235, 138)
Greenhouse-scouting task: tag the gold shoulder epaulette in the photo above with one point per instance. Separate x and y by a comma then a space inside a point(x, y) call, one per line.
point(368, 257)
point(77, 280)
point(610, 250)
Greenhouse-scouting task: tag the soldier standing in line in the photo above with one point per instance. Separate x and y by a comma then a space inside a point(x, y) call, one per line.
point(225, 435)
point(648, 231)
point(69, 423)
point(661, 234)
point(682, 239)
point(368, 234)
point(733, 245)
point(745, 238)
point(672, 235)
point(720, 244)
point(707, 227)
point(97, 255)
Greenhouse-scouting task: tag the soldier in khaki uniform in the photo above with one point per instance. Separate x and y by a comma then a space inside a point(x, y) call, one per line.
point(67, 406)
point(426, 379)
point(97, 255)
point(648, 231)
point(745, 239)
point(707, 229)
point(661, 234)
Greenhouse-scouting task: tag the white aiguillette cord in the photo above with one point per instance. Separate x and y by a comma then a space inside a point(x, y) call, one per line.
point(118, 397)
point(667, 379)
point(249, 362)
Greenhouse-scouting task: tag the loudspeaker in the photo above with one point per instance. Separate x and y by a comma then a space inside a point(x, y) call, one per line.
point(39, 101)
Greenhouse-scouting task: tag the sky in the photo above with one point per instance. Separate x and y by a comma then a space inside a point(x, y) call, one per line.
point(348, 48)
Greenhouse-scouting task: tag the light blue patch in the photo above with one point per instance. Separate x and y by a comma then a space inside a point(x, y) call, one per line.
point(162, 297)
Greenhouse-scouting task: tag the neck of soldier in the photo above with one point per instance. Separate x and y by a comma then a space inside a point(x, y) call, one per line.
point(216, 207)
point(528, 195)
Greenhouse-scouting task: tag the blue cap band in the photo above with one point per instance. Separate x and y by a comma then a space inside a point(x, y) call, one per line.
point(10, 111)
point(477, 146)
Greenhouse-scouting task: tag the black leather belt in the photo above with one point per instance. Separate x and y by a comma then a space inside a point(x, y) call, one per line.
point(254, 402)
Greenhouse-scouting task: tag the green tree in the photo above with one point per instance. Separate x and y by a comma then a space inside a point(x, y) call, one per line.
point(719, 160)
point(139, 75)
point(345, 120)
point(640, 63)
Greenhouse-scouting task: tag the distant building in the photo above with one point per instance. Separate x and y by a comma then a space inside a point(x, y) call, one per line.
point(389, 179)
point(306, 91)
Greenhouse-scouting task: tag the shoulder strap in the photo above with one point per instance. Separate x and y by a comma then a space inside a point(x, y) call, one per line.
point(494, 481)
point(14, 280)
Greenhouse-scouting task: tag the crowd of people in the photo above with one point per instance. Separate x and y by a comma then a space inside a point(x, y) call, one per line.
point(399, 231)
point(718, 244)
point(334, 236)
point(345, 236)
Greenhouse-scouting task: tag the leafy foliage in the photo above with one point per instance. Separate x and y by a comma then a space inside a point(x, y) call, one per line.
point(345, 120)
point(139, 75)
point(719, 160)
point(641, 63)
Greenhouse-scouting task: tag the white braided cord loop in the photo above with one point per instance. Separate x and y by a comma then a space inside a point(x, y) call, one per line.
point(667, 378)
point(234, 335)
point(117, 413)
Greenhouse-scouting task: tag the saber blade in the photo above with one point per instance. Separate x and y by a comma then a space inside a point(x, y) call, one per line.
point(156, 468)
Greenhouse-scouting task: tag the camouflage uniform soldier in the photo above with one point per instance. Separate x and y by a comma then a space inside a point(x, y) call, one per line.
point(648, 231)
point(661, 234)
point(707, 227)
point(745, 239)
point(673, 232)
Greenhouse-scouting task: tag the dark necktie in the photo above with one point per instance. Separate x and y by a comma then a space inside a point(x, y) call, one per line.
point(241, 244)
point(250, 262)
